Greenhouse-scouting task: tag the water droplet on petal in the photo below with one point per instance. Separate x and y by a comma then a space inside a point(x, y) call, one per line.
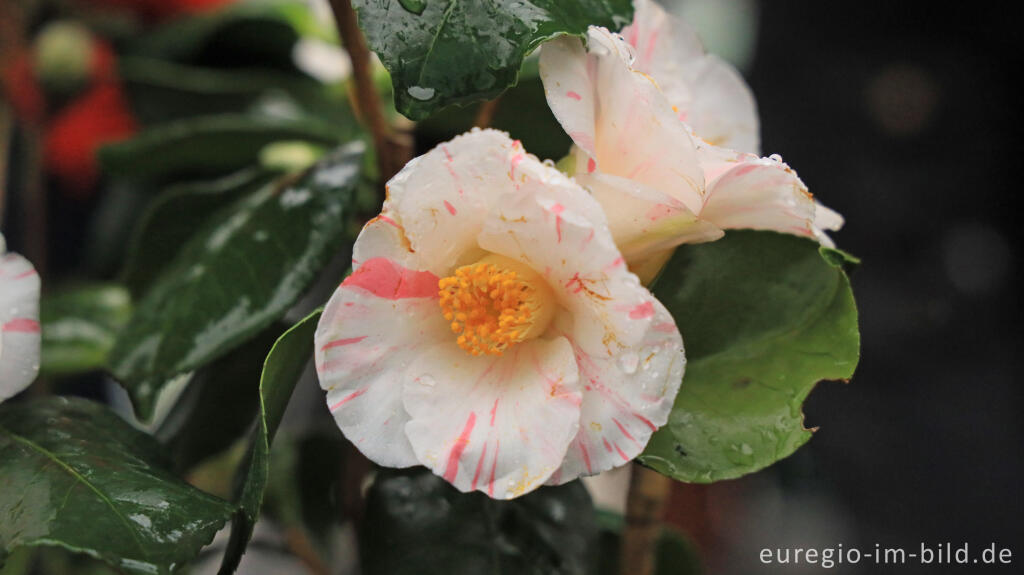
point(629, 361)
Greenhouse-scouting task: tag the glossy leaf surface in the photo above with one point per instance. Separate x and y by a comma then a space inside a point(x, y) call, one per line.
point(281, 371)
point(764, 317)
point(176, 214)
point(237, 275)
point(207, 145)
point(80, 325)
point(75, 475)
point(443, 52)
point(416, 523)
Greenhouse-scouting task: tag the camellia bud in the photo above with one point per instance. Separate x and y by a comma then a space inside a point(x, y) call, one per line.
point(63, 56)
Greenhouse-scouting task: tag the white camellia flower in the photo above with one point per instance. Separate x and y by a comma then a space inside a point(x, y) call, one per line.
point(19, 323)
point(661, 183)
point(706, 92)
point(490, 329)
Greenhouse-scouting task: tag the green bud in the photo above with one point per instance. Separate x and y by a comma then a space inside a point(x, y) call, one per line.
point(63, 54)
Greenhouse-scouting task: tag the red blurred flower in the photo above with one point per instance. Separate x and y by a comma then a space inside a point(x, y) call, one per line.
point(74, 135)
point(22, 89)
point(160, 9)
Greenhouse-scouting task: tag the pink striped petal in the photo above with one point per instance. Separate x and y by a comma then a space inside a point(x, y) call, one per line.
point(19, 323)
point(622, 121)
point(500, 425)
point(378, 320)
point(708, 93)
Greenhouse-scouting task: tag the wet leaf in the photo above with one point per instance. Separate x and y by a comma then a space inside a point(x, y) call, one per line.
point(282, 369)
point(764, 317)
point(80, 325)
point(237, 275)
point(447, 52)
point(177, 213)
point(207, 145)
point(416, 523)
point(75, 475)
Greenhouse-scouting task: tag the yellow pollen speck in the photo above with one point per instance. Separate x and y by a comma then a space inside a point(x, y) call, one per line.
point(494, 304)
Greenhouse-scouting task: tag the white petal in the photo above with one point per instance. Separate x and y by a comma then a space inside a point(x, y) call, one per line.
point(760, 194)
point(644, 222)
point(438, 200)
point(622, 121)
point(625, 398)
point(19, 323)
point(500, 425)
point(708, 93)
point(378, 321)
point(623, 339)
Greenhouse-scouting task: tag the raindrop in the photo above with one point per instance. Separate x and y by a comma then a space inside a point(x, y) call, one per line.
point(746, 449)
point(426, 380)
point(420, 93)
point(415, 6)
point(629, 361)
point(775, 158)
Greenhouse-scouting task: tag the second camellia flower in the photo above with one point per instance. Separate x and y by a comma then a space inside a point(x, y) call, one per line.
point(491, 330)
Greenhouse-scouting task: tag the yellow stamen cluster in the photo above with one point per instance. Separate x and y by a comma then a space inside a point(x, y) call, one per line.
point(494, 304)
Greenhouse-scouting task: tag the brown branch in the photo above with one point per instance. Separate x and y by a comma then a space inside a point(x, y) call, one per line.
point(645, 506)
point(485, 113)
point(367, 100)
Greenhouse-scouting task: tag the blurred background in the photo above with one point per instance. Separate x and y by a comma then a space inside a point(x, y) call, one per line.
point(899, 115)
point(903, 117)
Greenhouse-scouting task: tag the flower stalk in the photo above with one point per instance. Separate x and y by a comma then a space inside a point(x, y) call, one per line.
point(367, 99)
point(645, 505)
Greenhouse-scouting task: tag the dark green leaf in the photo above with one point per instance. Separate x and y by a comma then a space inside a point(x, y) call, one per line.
point(416, 523)
point(244, 33)
point(162, 91)
point(75, 475)
point(79, 327)
point(176, 214)
point(460, 51)
point(219, 405)
point(237, 275)
point(281, 371)
point(764, 317)
point(522, 111)
point(207, 145)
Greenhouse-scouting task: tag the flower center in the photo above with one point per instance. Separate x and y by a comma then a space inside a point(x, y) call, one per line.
point(496, 303)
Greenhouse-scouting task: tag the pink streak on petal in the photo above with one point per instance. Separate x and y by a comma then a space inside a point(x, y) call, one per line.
point(341, 342)
point(348, 398)
point(624, 431)
point(447, 154)
point(479, 468)
point(618, 262)
point(607, 446)
point(665, 327)
point(388, 220)
point(574, 95)
point(642, 311)
point(494, 410)
point(588, 239)
point(21, 325)
point(24, 274)
point(557, 209)
point(586, 455)
point(448, 205)
point(386, 279)
point(646, 421)
point(591, 165)
point(660, 211)
point(621, 454)
point(461, 442)
point(494, 468)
